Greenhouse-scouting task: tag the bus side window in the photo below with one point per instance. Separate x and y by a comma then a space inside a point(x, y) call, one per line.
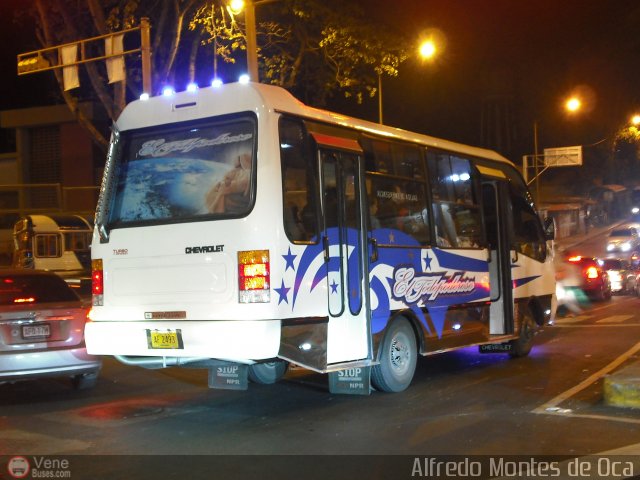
point(47, 245)
point(528, 236)
point(456, 209)
point(298, 182)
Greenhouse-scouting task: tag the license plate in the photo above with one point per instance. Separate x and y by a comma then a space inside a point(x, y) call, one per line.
point(496, 348)
point(158, 339)
point(42, 330)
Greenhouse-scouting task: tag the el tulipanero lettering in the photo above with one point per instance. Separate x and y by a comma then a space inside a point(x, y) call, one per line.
point(204, 249)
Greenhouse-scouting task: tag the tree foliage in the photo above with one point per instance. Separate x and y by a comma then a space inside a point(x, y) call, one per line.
point(313, 48)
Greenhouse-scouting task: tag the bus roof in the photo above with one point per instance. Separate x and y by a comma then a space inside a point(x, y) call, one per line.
point(259, 98)
point(57, 222)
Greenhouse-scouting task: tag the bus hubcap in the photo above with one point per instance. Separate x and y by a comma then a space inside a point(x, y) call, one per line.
point(399, 355)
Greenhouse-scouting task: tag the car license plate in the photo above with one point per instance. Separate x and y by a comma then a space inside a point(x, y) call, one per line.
point(496, 348)
point(159, 339)
point(42, 330)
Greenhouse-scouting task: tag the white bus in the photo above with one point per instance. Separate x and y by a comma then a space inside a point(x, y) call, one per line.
point(239, 230)
point(56, 242)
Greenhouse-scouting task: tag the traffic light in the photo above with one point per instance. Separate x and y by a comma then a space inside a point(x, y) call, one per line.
point(33, 62)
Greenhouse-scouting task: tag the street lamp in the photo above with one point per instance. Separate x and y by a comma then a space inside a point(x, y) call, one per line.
point(249, 7)
point(426, 50)
point(572, 105)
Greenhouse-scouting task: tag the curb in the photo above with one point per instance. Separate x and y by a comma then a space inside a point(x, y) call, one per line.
point(622, 389)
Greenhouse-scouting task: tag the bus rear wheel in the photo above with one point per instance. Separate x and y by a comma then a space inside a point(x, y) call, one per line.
point(267, 373)
point(398, 358)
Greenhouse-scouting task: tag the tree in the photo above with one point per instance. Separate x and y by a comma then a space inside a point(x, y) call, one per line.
point(64, 21)
point(624, 155)
point(313, 48)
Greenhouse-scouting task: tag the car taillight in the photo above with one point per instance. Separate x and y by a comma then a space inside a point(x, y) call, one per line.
point(592, 272)
point(254, 276)
point(97, 282)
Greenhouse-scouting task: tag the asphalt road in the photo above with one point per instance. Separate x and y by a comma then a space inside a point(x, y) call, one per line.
point(460, 403)
point(167, 424)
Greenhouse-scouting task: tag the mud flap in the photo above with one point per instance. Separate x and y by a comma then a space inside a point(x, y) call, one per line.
point(229, 376)
point(351, 381)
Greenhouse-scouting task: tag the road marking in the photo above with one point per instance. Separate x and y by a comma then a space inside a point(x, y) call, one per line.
point(607, 325)
point(566, 320)
point(615, 319)
point(23, 442)
point(552, 406)
point(626, 450)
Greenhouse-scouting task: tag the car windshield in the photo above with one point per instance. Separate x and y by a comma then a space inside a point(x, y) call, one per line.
point(613, 265)
point(623, 232)
point(34, 289)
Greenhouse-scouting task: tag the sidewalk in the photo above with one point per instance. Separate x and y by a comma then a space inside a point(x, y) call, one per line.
point(622, 387)
point(576, 240)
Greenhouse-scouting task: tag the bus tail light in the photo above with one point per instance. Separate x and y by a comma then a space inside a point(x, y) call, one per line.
point(97, 282)
point(253, 276)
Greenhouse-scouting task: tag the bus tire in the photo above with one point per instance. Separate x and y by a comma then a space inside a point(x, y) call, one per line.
point(398, 357)
point(267, 373)
point(522, 346)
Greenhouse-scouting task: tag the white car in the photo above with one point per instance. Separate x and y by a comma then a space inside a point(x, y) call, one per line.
point(42, 329)
point(623, 239)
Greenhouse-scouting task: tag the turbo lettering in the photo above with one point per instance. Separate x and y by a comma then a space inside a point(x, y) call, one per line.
point(158, 148)
point(428, 286)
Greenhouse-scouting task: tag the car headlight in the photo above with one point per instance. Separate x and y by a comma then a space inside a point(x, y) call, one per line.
point(626, 246)
point(635, 210)
point(610, 246)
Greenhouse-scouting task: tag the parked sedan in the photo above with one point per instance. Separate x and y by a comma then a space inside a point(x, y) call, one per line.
point(595, 280)
point(42, 329)
point(621, 275)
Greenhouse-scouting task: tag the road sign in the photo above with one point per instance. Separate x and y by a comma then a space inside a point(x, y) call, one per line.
point(563, 156)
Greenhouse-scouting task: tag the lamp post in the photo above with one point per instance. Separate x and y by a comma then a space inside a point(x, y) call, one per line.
point(572, 106)
point(249, 7)
point(427, 50)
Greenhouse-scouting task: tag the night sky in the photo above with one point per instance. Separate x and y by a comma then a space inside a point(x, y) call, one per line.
point(526, 56)
point(535, 53)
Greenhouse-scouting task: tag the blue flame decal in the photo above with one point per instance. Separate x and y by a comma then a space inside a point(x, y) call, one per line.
point(430, 289)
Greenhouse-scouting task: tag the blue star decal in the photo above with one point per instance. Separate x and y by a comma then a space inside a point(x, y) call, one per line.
point(334, 287)
point(289, 258)
point(427, 261)
point(282, 291)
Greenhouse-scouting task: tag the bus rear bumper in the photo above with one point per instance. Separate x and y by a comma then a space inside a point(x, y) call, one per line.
point(236, 341)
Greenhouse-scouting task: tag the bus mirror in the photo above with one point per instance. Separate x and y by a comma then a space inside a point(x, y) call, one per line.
point(549, 228)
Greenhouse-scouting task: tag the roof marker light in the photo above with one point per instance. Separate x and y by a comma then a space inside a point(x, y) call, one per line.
point(216, 83)
point(144, 96)
point(244, 78)
point(168, 91)
point(192, 87)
